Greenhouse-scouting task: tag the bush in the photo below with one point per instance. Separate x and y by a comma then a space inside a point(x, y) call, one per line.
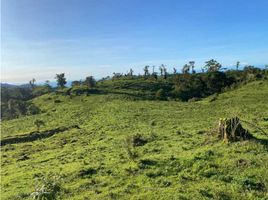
point(40, 90)
point(33, 110)
point(160, 94)
point(251, 183)
point(57, 101)
point(48, 188)
point(133, 141)
point(136, 140)
point(38, 123)
point(79, 90)
point(87, 172)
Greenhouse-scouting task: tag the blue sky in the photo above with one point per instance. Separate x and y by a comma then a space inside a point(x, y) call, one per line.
point(98, 37)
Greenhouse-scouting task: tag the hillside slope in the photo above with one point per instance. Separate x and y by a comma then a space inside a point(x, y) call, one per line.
point(124, 149)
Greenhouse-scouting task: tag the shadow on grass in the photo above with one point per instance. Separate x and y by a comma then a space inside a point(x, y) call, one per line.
point(262, 141)
point(30, 137)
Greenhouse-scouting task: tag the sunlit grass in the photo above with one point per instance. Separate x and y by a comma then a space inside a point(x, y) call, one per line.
point(180, 160)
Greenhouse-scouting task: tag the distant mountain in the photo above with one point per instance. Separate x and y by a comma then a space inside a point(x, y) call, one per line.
point(27, 85)
point(7, 85)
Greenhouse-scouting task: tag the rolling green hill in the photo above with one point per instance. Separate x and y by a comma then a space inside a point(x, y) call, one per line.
point(111, 146)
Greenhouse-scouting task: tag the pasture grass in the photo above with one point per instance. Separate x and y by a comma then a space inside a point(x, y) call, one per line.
point(181, 159)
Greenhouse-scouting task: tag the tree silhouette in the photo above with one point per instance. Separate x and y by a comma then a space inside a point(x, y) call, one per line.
point(61, 80)
point(47, 83)
point(153, 69)
point(165, 72)
point(90, 81)
point(212, 66)
point(191, 63)
point(131, 72)
point(174, 70)
point(161, 69)
point(237, 65)
point(38, 123)
point(186, 69)
point(146, 70)
point(31, 82)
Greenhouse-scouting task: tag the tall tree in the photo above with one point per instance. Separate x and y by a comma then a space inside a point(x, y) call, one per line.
point(165, 72)
point(146, 70)
point(174, 70)
point(47, 83)
point(61, 80)
point(186, 69)
point(90, 81)
point(237, 65)
point(38, 123)
point(191, 63)
point(32, 82)
point(212, 66)
point(161, 69)
point(131, 72)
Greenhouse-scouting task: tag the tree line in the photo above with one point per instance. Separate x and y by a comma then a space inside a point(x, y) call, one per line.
point(183, 86)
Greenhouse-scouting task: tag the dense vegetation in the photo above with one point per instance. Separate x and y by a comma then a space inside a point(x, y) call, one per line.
point(136, 137)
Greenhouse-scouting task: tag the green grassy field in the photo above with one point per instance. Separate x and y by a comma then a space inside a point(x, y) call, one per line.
point(180, 157)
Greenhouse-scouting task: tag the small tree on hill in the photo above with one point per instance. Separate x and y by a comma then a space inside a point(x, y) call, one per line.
point(146, 70)
point(185, 69)
point(131, 72)
point(47, 86)
point(154, 75)
point(162, 69)
point(38, 123)
point(61, 80)
point(266, 70)
point(32, 82)
point(47, 83)
point(153, 69)
point(191, 63)
point(174, 70)
point(165, 72)
point(237, 65)
point(212, 66)
point(160, 94)
point(76, 83)
point(90, 81)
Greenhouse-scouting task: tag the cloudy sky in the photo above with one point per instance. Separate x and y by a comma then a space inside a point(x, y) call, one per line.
point(98, 37)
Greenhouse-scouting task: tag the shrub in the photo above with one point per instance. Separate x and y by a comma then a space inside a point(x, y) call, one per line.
point(87, 172)
point(146, 163)
point(38, 123)
point(160, 94)
point(251, 183)
point(131, 152)
point(136, 140)
point(133, 141)
point(48, 188)
point(33, 110)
